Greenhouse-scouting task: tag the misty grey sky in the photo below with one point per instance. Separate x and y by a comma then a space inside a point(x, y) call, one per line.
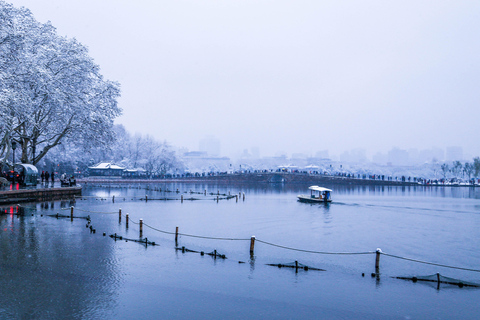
point(292, 76)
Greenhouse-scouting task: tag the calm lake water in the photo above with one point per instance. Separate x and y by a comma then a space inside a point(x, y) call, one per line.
point(58, 269)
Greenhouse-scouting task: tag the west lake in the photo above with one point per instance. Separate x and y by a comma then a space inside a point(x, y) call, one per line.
point(56, 268)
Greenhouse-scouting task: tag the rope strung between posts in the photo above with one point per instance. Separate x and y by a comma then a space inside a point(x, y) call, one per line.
point(194, 236)
point(96, 197)
point(430, 263)
point(311, 251)
point(130, 220)
point(104, 212)
point(290, 248)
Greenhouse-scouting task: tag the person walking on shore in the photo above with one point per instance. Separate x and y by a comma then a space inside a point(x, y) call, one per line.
point(43, 176)
point(47, 176)
point(53, 178)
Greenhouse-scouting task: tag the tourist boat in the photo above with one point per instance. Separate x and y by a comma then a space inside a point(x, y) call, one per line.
point(317, 194)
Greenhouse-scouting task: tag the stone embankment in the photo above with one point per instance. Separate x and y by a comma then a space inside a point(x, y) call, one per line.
point(259, 178)
point(39, 194)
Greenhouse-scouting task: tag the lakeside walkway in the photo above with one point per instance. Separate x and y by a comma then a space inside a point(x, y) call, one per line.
point(41, 192)
point(270, 178)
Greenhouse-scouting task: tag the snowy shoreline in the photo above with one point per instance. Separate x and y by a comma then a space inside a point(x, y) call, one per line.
point(269, 178)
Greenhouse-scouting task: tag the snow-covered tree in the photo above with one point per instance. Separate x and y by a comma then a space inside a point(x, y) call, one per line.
point(445, 169)
point(468, 169)
point(51, 91)
point(456, 168)
point(476, 167)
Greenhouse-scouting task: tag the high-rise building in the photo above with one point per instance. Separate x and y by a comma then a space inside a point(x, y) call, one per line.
point(454, 154)
point(398, 157)
point(210, 145)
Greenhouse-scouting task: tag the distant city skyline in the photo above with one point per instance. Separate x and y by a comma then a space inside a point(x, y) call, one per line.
point(396, 156)
point(286, 76)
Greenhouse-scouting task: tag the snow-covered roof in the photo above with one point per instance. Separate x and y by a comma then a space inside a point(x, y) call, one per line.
point(320, 189)
point(106, 165)
point(135, 170)
point(28, 167)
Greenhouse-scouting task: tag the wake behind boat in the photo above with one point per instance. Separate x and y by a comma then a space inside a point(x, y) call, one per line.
point(317, 194)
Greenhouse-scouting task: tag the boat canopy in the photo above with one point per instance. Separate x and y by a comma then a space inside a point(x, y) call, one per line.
point(319, 189)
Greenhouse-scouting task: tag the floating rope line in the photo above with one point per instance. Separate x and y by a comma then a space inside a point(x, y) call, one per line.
point(437, 278)
point(430, 263)
point(272, 244)
point(145, 241)
point(103, 212)
point(295, 265)
point(214, 253)
point(311, 251)
point(69, 217)
point(185, 199)
point(194, 236)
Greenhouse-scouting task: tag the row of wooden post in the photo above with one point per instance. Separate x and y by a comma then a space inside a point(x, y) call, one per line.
point(252, 239)
point(181, 197)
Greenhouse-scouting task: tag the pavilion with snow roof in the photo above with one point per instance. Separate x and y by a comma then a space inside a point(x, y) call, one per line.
point(106, 169)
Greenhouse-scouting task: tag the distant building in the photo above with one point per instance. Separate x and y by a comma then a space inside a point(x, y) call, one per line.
point(322, 154)
point(398, 157)
point(255, 151)
point(454, 154)
point(106, 169)
point(134, 173)
point(195, 154)
point(429, 154)
point(210, 145)
point(299, 156)
point(380, 158)
point(200, 161)
point(355, 155)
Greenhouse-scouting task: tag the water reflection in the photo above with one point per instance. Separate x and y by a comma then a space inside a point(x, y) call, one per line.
point(52, 269)
point(59, 269)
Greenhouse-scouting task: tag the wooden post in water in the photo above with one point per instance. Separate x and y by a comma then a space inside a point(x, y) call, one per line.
point(146, 198)
point(205, 191)
point(217, 198)
point(182, 198)
point(126, 220)
point(377, 260)
point(244, 196)
point(119, 215)
point(113, 198)
point(252, 245)
point(71, 213)
point(236, 198)
point(176, 236)
point(141, 228)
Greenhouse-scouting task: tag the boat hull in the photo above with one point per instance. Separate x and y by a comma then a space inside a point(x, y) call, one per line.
point(308, 199)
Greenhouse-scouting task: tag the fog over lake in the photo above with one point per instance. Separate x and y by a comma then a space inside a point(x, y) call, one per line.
point(283, 76)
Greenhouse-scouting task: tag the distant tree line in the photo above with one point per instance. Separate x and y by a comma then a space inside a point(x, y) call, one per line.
point(131, 151)
point(456, 169)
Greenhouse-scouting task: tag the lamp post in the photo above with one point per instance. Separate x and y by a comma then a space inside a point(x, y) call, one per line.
point(14, 146)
